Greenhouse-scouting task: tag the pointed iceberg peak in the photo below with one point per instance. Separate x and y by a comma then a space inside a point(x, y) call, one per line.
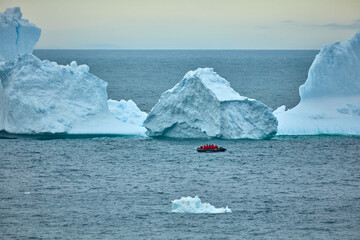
point(215, 83)
point(14, 12)
point(18, 36)
point(335, 71)
point(204, 105)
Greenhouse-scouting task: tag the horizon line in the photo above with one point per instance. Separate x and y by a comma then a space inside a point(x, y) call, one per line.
point(179, 49)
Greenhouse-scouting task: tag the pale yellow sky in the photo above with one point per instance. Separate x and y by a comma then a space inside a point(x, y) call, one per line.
point(190, 24)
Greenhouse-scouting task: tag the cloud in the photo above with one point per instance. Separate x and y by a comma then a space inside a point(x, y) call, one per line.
point(354, 25)
point(336, 26)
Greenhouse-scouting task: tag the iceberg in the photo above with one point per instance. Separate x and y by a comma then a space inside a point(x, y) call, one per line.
point(44, 97)
point(127, 112)
point(204, 105)
point(194, 205)
point(18, 36)
point(330, 97)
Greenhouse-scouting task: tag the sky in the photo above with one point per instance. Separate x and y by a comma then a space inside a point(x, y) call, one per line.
point(190, 24)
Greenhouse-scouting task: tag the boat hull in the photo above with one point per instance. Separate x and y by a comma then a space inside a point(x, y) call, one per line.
point(221, 149)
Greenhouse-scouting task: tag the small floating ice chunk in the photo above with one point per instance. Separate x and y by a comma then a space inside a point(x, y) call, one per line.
point(194, 205)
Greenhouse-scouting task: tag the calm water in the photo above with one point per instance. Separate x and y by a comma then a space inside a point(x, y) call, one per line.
point(122, 188)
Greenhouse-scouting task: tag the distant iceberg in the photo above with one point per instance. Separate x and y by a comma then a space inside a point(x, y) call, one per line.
point(330, 97)
point(194, 205)
point(17, 36)
point(204, 105)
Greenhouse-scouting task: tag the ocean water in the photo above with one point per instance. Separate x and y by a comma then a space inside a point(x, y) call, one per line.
point(122, 187)
point(272, 77)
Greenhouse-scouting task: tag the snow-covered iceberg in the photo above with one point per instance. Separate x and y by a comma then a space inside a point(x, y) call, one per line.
point(194, 205)
point(44, 97)
point(330, 97)
point(17, 35)
point(204, 105)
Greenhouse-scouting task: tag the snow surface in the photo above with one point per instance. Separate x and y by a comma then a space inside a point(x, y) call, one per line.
point(330, 97)
point(204, 105)
point(17, 35)
point(44, 97)
point(194, 205)
point(216, 84)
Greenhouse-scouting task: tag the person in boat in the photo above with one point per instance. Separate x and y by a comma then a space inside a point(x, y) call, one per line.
point(209, 147)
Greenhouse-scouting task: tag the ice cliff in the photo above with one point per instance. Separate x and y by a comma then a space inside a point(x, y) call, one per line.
point(42, 96)
point(330, 97)
point(17, 35)
point(194, 205)
point(204, 105)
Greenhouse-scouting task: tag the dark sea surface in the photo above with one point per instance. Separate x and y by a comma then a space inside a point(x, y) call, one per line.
point(304, 187)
